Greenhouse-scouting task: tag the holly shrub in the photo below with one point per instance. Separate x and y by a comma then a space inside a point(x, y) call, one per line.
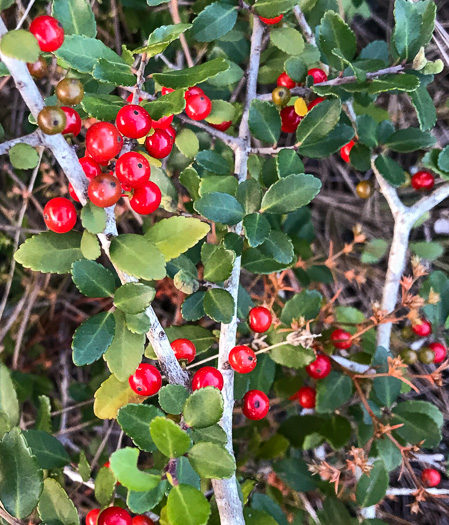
point(230, 363)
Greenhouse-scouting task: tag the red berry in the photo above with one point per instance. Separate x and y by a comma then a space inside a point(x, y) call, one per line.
point(130, 97)
point(163, 122)
point(307, 397)
point(207, 376)
point(423, 181)
point(72, 193)
point(271, 21)
point(223, 126)
point(198, 107)
point(92, 516)
point(104, 190)
point(114, 516)
point(285, 81)
point(315, 102)
point(133, 121)
point(341, 339)
point(423, 329)
point(439, 351)
point(260, 319)
point(430, 477)
point(146, 380)
point(195, 90)
point(159, 144)
point(73, 120)
point(141, 519)
point(255, 405)
point(166, 91)
point(60, 215)
point(242, 359)
point(48, 32)
point(146, 199)
point(320, 368)
point(133, 169)
point(172, 132)
point(184, 350)
point(318, 75)
point(90, 167)
point(103, 141)
point(346, 150)
point(290, 119)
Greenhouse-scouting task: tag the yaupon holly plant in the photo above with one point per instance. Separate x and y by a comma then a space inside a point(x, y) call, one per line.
point(177, 173)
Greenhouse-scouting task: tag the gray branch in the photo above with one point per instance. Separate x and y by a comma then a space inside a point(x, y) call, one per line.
point(33, 139)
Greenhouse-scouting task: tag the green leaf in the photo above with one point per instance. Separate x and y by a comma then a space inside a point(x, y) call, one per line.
point(21, 45)
point(421, 421)
point(425, 108)
point(102, 107)
point(92, 338)
point(20, 476)
point(387, 389)
point(220, 207)
point(83, 53)
point(249, 194)
point(215, 21)
point(203, 408)
point(135, 422)
point(264, 121)
point(219, 305)
point(374, 250)
point(212, 161)
point(288, 162)
point(221, 111)
point(389, 453)
point(337, 431)
point(391, 82)
point(390, 170)
point(49, 452)
point(332, 392)
point(113, 395)
point(290, 193)
point(372, 487)
point(360, 157)
point(172, 398)
point(295, 474)
point(137, 256)
point(192, 308)
point(124, 466)
point(134, 298)
point(64, 249)
point(84, 467)
point(211, 461)
point(201, 337)
point(93, 279)
point(430, 251)
point(4, 4)
point(407, 29)
point(43, 418)
point(161, 37)
point(186, 474)
point(408, 140)
point(138, 323)
point(296, 69)
point(257, 517)
point(329, 144)
point(169, 438)
point(90, 247)
point(141, 502)
point(55, 507)
point(175, 235)
point(76, 17)
point(336, 34)
point(104, 486)
point(367, 130)
point(187, 143)
point(116, 73)
point(192, 76)
point(170, 104)
point(288, 40)
point(256, 227)
point(273, 8)
point(292, 356)
point(279, 246)
point(23, 157)
point(9, 403)
point(306, 304)
point(218, 266)
point(318, 122)
point(186, 505)
point(257, 262)
point(126, 349)
point(93, 218)
point(212, 434)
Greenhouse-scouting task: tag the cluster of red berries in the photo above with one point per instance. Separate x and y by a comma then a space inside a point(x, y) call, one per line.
point(147, 380)
point(318, 369)
point(432, 353)
point(116, 516)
